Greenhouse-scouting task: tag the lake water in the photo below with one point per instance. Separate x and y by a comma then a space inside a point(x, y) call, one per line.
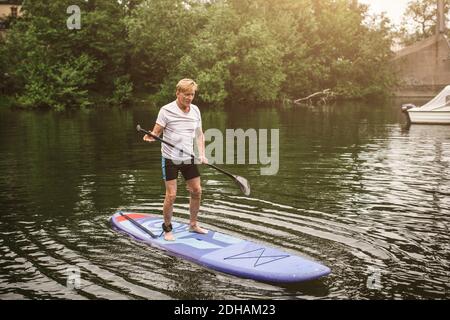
point(357, 190)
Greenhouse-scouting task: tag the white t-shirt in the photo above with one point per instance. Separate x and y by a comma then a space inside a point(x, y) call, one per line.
point(179, 130)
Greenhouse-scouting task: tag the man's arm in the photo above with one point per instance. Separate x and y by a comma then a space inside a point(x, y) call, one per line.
point(200, 137)
point(157, 130)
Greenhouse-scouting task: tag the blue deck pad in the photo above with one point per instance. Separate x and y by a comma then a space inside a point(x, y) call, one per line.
point(222, 252)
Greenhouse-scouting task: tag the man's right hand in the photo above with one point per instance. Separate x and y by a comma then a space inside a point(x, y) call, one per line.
point(157, 130)
point(148, 138)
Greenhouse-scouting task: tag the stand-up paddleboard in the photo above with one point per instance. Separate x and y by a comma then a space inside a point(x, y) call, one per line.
point(221, 252)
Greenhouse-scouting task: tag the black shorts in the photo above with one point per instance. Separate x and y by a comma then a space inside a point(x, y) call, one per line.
point(170, 170)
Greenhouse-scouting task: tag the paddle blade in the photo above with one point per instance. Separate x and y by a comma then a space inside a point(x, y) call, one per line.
point(243, 184)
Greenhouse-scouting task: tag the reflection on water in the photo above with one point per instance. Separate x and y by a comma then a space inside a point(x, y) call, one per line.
point(357, 190)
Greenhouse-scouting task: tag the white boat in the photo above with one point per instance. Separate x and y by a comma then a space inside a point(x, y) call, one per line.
point(436, 111)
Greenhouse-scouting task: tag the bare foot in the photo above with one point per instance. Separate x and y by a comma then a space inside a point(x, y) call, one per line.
point(195, 228)
point(168, 236)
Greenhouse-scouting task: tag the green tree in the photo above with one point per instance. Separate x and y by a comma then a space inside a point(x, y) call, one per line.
point(56, 67)
point(419, 21)
point(293, 26)
point(210, 56)
point(352, 50)
point(257, 72)
point(260, 51)
point(234, 57)
point(161, 32)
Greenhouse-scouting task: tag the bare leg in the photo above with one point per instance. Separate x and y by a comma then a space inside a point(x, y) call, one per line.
point(195, 190)
point(169, 200)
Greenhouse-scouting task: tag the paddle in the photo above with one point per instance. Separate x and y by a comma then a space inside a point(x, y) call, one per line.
point(240, 181)
point(137, 224)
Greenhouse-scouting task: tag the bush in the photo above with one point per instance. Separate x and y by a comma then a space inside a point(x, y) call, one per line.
point(57, 86)
point(123, 91)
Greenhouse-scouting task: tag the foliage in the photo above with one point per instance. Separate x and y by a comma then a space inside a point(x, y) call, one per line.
point(419, 21)
point(244, 50)
point(123, 91)
point(52, 66)
point(160, 32)
point(57, 86)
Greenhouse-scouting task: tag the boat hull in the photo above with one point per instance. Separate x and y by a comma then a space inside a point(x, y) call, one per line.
point(429, 117)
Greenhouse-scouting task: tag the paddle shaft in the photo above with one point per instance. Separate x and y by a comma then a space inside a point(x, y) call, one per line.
point(189, 154)
point(151, 234)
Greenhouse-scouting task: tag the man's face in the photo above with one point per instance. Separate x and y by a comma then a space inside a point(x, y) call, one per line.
point(185, 97)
